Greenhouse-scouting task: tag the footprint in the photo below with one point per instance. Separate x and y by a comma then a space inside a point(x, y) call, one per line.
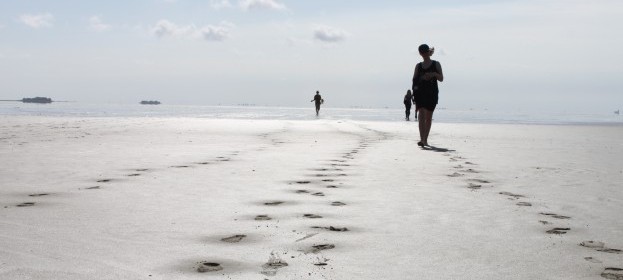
point(555, 215)
point(180, 166)
point(133, 175)
point(26, 204)
point(317, 248)
point(274, 263)
point(303, 182)
point(455, 174)
point(141, 170)
point(203, 163)
point(593, 260)
point(332, 187)
point(524, 204)
point(312, 216)
point(104, 180)
point(273, 203)
point(318, 194)
point(209, 267)
point(514, 196)
point(234, 239)
point(613, 273)
point(320, 264)
point(337, 203)
point(262, 218)
point(38, 194)
point(610, 250)
point(302, 191)
point(558, 230)
point(593, 244)
point(544, 222)
point(332, 228)
point(474, 186)
point(328, 180)
point(93, 188)
point(471, 171)
point(479, 181)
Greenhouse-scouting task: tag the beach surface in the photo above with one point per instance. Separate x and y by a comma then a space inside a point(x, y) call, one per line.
point(192, 198)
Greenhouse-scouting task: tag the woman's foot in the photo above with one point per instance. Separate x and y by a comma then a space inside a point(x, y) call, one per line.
point(420, 144)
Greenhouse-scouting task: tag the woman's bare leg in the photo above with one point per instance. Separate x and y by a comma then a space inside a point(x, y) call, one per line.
point(422, 124)
point(427, 125)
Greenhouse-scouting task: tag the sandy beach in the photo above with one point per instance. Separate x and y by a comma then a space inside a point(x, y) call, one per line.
point(192, 198)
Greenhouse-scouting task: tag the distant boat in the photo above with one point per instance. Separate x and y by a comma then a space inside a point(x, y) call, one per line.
point(150, 102)
point(42, 100)
point(617, 112)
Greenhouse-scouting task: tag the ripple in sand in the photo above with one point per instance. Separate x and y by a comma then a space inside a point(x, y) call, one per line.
point(302, 182)
point(318, 194)
point(273, 203)
point(234, 239)
point(209, 267)
point(474, 186)
point(524, 203)
point(262, 218)
point(558, 230)
point(599, 246)
point(328, 180)
point(93, 188)
point(38, 194)
point(104, 180)
point(332, 187)
point(180, 166)
point(337, 203)
point(133, 175)
point(302, 191)
point(455, 174)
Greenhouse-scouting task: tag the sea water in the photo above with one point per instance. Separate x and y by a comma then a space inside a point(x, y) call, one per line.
point(75, 109)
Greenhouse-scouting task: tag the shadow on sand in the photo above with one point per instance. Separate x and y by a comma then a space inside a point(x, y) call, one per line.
point(437, 149)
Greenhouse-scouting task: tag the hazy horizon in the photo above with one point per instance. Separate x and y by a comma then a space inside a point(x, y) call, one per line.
point(496, 55)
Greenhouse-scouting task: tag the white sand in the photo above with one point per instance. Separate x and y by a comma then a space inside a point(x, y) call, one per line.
point(207, 179)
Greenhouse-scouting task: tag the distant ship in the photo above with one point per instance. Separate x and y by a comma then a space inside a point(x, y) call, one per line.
point(150, 102)
point(42, 100)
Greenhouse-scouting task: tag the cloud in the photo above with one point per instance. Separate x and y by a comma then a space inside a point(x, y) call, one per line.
point(329, 34)
point(165, 28)
point(220, 4)
point(95, 23)
point(37, 21)
point(261, 5)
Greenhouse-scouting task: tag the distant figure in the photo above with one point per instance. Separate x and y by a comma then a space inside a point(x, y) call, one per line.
point(318, 100)
point(425, 90)
point(407, 101)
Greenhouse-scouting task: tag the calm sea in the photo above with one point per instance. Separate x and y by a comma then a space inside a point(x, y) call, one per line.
point(285, 113)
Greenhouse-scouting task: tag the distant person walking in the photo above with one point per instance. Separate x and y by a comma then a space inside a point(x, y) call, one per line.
point(318, 101)
point(425, 90)
point(407, 101)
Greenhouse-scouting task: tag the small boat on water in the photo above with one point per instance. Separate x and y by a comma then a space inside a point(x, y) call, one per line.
point(42, 100)
point(150, 102)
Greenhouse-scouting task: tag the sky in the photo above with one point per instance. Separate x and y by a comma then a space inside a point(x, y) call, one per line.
point(560, 55)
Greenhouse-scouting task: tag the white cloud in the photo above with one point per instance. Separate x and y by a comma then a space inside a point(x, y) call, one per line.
point(220, 4)
point(95, 23)
point(37, 21)
point(329, 34)
point(261, 5)
point(165, 28)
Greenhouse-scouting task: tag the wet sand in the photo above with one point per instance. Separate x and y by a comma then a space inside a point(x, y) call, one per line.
point(182, 198)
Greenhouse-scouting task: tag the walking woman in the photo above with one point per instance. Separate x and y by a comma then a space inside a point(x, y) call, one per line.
point(407, 101)
point(425, 90)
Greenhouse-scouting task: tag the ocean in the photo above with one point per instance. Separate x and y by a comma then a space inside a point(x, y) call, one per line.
point(75, 109)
